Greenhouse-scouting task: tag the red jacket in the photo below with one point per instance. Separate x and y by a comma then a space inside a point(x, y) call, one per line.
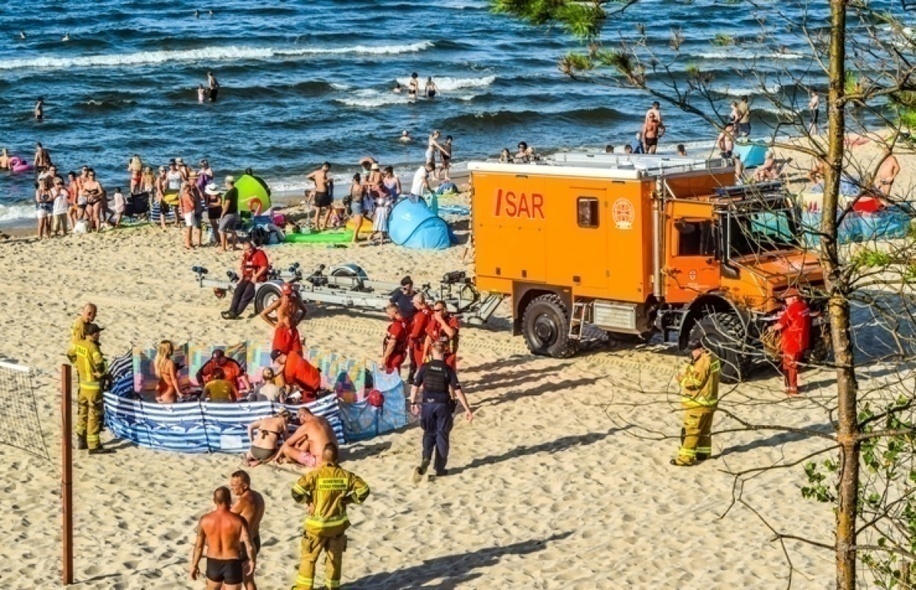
point(399, 332)
point(796, 327)
point(301, 373)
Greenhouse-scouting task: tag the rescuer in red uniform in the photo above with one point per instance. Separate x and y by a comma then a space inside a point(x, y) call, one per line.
point(794, 326)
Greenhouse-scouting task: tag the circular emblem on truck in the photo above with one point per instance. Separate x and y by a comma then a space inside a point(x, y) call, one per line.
point(692, 274)
point(623, 214)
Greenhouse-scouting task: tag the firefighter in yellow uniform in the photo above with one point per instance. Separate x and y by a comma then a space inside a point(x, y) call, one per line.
point(326, 491)
point(699, 396)
point(78, 329)
point(90, 366)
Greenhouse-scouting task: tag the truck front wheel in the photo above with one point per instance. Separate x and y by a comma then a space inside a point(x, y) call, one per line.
point(545, 324)
point(723, 335)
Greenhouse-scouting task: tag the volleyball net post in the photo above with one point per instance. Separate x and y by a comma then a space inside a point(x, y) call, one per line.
point(66, 472)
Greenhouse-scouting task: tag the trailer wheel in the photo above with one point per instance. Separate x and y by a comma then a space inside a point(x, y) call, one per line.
point(266, 295)
point(724, 335)
point(545, 324)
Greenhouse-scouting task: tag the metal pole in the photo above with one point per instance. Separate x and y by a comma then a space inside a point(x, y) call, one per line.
point(66, 472)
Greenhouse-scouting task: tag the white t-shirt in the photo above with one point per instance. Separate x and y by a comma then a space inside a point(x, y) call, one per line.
point(119, 204)
point(419, 176)
point(60, 203)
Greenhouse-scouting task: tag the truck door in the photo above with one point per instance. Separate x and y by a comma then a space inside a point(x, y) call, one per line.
point(690, 251)
point(577, 241)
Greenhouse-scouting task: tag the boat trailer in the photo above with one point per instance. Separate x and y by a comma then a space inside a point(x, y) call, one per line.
point(348, 286)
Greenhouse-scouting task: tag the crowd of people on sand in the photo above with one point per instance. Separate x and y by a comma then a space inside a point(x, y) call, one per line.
point(420, 335)
point(372, 193)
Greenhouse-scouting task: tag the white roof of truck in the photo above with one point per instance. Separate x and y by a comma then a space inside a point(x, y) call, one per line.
point(610, 166)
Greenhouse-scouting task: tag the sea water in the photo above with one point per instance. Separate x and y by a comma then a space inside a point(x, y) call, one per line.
point(308, 81)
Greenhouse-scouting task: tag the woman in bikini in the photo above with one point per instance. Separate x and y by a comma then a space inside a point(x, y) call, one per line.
point(135, 167)
point(271, 431)
point(44, 203)
point(167, 390)
point(95, 192)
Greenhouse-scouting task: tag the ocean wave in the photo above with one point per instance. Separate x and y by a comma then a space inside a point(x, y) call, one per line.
point(746, 55)
point(448, 84)
point(210, 54)
point(489, 120)
point(739, 91)
point(10, 213)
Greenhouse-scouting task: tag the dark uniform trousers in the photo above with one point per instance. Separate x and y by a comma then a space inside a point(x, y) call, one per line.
point(436, 418)
point(243, 295)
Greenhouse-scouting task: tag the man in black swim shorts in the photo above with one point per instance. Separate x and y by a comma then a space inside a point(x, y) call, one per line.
point(227, 531)
point(323, 197)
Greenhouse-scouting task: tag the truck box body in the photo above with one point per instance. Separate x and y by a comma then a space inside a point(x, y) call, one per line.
point(586, 226)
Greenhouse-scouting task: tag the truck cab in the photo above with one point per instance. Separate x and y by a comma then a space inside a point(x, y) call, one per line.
point(635, 245)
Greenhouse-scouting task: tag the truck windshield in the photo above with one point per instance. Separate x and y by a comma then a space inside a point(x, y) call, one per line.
point(761, 231)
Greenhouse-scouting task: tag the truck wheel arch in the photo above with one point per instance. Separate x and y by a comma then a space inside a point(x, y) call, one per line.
point(702, 306)
point(524, 293)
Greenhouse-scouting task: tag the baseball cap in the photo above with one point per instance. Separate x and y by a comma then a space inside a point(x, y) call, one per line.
point(695, 343)
point(93, 329)
point(274, 354)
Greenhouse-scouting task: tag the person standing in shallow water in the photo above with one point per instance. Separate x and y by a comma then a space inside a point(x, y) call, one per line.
point(213, 85)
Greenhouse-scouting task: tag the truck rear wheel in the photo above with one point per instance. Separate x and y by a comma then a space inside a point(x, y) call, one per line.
point(724, 335)
point(545, 324)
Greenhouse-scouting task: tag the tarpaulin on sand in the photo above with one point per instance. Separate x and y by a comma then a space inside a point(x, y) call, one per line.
point(891, 223)
point(199, 427)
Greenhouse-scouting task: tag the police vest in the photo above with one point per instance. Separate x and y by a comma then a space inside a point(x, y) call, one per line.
point(435, 381)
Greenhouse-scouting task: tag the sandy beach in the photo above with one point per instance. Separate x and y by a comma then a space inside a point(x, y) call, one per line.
point(561, 481)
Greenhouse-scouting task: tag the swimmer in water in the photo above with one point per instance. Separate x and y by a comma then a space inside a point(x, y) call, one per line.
point(405, 137)
point(65, 38)
point(413, 88)
point(196, 14)
point(397, 88)
point(431, 88)
point(40, 109)
point(22, 35)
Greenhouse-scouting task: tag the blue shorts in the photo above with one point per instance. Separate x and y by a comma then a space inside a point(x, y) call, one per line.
point(356, 208)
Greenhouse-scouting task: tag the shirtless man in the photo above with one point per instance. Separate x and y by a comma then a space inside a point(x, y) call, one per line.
point(224, 534)
point(290, 310)
point(270, 432)
point(726, 141)
point(767, 170)
point(656, 110)
point(323, 199)
point(42, 158)
point(818, 171)
point(5, 159)
point(433, 148)
point(249, 504)
point(40, 109)
point(306, 444)
point(887, 173)
point(651, 131)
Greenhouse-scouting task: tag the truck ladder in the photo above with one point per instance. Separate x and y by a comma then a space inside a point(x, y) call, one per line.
point(577, 319)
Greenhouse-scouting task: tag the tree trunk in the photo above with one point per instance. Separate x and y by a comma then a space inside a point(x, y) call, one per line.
point(838, 308)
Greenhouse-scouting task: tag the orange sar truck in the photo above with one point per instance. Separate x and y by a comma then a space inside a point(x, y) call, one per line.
point(636, 245)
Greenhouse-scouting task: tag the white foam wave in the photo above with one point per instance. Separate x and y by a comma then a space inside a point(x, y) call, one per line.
point(210, 54)
point(746, 55)
point(368, 99)
point(750, 91)
point(448, 84)
point(10, 213)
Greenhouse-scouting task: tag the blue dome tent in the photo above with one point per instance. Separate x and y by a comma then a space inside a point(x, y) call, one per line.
point(413, 225)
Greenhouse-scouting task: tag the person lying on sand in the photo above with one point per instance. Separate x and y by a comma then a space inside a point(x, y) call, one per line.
point(305, 445)
point(270, 432)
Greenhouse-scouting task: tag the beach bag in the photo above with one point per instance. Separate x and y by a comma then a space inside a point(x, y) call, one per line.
point(81, 226)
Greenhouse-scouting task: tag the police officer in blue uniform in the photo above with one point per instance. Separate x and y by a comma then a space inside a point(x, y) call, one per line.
point(440, 389)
